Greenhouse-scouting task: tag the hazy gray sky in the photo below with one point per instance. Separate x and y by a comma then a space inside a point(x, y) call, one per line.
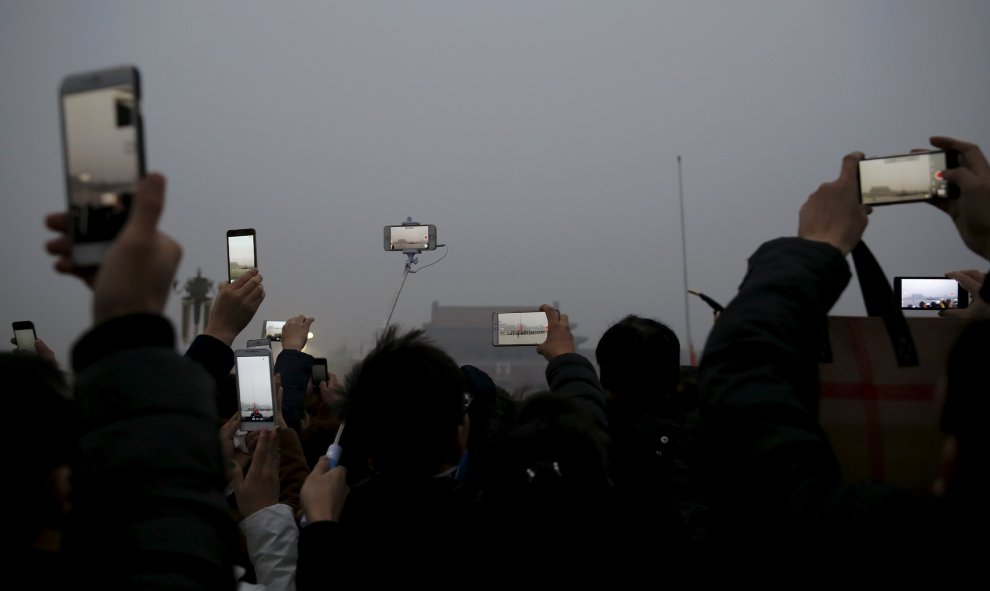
point(539, 137)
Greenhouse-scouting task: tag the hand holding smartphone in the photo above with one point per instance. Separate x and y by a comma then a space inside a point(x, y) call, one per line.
point(242, 252)
point(103, 153)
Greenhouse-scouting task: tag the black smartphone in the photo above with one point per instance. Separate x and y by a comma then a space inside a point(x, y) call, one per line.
point(906, 178)
point(25, 336)
point(930, 293)
point(255, 388)
point(422, 237)
point(242, 252)
point(320, 373)
point(103, 153)
point(519, 328)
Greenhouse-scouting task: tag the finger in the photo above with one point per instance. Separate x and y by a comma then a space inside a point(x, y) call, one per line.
point(59, 246)
point(551, 312)
point(57, 221)
point(954, 313)
point(149, 201)
point(256, 297)
point(970, 283)
point(308, 322)
point(565, 320)
point(972, 155)
point(261, 449)
point(850, 166)
point(271, 456)
point(245, 278)
point(236, 474)
point(322, 466)
point(251, 284)
point(230, 426)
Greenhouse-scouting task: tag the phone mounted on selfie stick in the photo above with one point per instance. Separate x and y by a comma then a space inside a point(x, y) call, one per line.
point(412, 258)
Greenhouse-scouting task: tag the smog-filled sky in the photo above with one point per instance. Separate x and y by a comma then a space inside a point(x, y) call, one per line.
point(541, 138)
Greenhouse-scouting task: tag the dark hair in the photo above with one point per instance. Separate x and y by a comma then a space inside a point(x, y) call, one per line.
point(552, 470)
point(403, 404)
point(639, 357)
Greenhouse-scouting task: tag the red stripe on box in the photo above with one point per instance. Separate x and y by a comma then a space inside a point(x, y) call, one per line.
point(871, 408)
point(909, 392)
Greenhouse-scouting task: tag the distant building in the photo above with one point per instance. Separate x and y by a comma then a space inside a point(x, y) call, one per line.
point(465, 332)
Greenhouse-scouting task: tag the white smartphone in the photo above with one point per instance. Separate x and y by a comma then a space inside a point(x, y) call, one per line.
point(255, 388)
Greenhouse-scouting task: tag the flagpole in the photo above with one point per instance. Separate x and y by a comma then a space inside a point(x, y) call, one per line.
point(687, 312)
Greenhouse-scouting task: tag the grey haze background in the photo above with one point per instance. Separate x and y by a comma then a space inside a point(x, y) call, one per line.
point(540, 137)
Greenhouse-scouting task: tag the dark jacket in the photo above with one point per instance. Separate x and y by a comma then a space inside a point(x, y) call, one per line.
point(149, 511)
point(773, 482)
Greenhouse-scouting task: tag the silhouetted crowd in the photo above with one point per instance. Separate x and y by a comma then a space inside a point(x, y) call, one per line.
point(643, 472)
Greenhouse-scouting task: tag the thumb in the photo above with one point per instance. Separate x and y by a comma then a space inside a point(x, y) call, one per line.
point(149, 202)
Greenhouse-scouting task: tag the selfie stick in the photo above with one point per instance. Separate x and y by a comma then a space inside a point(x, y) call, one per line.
point(411, 259)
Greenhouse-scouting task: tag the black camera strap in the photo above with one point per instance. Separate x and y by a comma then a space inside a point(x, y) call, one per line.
point(878, 295)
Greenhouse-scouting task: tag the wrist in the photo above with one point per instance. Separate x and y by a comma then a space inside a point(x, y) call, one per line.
point(225, 336)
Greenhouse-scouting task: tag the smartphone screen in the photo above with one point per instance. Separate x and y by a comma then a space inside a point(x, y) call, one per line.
point(930, 293)
point(25, 337)
point(273, 329)
point(255, 389)
point(241, 252)
point(103, 151)
point(319, 371)
point(410, 237)
point(519, 328)
point(905, 178)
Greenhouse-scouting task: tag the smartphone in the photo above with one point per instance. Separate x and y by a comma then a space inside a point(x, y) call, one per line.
point(411, 237)
point(320, 373)
point(930, 293)
point(259, 344)
point(103, 155)
point(255, 388)
point(906, 178)
point(242, 252)
point(273, 330)
point(25, 336)
point(519, 328)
